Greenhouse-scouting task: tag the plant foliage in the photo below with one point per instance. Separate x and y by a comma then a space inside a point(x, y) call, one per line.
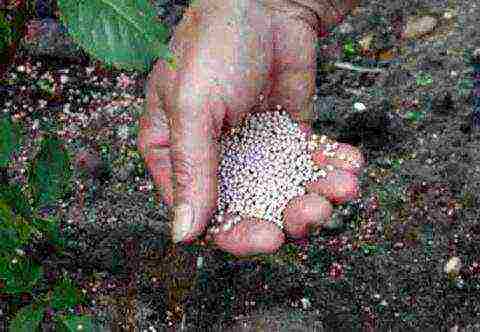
point(50, 228)
point(27, 319)
point(10, 140)
point(5, 32)
point(14, 230)
point(18, 272)
point(66, 295)
point(21, 274)
point(50, 173)
point(70, 323)
point(122, 33)
point(13, 196)
point(20, 224)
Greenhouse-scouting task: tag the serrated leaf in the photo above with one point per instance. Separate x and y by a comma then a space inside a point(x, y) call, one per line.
point(10, 139)
point(122, 33)
point(13, 196)
point(49, 175)
point(14, 230)
point(20, 274)
point(66, 295)
point(27, 319)
point(6, 214)
point(50, 228)
point(5, 32)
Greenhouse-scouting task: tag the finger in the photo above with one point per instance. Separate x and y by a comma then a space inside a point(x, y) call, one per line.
point(153, 143)
point(296, 69)
point(247, 236)
point(305, 213)
point(339, 155)
point(213, 84)
point(160, 167)
point(195, 158)
point(338, 186)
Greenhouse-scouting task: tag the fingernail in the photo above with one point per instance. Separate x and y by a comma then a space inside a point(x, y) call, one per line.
point(182, 221)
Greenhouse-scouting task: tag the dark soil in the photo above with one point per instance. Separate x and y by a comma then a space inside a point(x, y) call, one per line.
point(381, 269)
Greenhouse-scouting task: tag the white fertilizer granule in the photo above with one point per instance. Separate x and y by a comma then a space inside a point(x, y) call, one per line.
point(264, 163)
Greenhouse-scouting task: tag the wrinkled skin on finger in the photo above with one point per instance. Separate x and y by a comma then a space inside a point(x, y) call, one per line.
point(227, 55)
point(250, 236)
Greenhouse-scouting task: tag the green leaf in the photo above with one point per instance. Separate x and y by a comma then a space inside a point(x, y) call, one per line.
point(414, 116)
point(464, 86)
point(49, 227)
point(66, 295)
point(13, 196)
point(49, 175)
point(46, 87)
point(20, 274)
point(27, 319)
point(424, 79)
point(123, 33)
point(14, 230)
point(369, 249)
point(10, 139)
point(5, 32)
point(349, 49)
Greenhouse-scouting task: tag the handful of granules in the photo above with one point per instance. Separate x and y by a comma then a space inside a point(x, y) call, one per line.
point(264, 163)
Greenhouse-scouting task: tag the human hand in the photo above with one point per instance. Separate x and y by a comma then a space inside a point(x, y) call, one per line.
point(232, 59)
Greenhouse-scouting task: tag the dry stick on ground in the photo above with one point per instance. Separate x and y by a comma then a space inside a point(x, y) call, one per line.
point(349, 66)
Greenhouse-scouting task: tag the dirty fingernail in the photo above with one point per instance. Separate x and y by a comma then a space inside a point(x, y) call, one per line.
point(182, 221)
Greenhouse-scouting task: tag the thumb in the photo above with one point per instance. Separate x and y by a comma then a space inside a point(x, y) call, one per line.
point(195, 159)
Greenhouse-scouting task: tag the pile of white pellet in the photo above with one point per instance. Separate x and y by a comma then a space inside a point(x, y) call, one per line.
point(264, 163)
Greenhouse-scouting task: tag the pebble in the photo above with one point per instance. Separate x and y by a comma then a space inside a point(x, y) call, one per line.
point(199, 262)
point(359, 106)
point(42, 103)
point(366, 41)
point(264, 163)
point(449, 14)
point(64, 79)
point(453, 266)
point(345, 28)
point(419, 25)
point(476, 53)
point(306, 303)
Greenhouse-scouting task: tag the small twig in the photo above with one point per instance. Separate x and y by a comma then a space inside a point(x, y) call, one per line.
point(182, 326)
point(349, 66)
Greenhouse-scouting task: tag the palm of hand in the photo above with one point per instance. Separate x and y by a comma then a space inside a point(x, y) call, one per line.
point(226, 60)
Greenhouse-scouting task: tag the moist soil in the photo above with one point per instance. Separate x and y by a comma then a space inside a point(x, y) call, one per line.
point(382, 268)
